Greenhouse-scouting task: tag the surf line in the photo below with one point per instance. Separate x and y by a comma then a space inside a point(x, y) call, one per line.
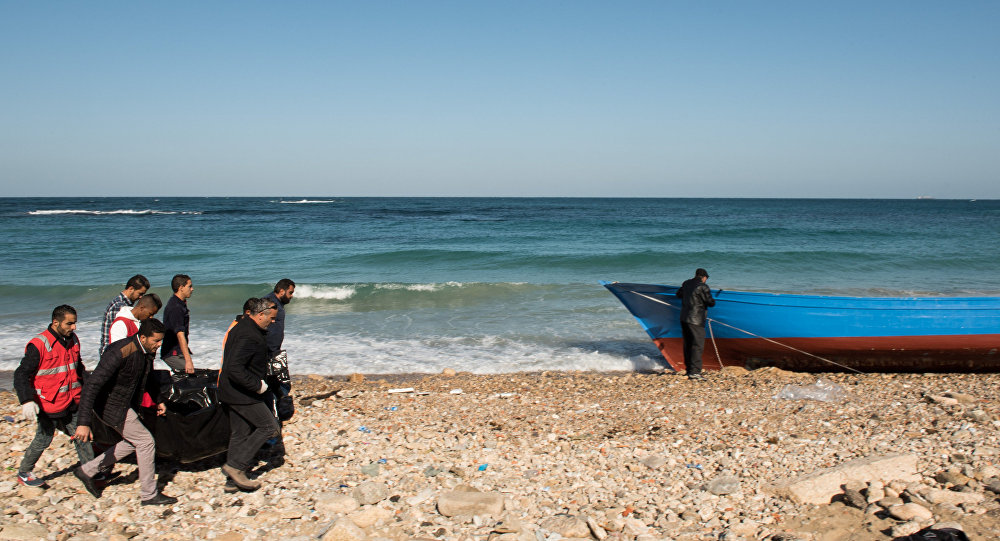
point(714, 345)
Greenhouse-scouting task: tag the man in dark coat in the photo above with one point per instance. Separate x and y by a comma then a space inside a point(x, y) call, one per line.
point(243, 391)
point(114, 392)
point(695, 300)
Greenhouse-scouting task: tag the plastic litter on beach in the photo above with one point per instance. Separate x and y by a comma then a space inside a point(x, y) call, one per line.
point(455, 391)
point(401, 390)
point(504, 395)
point(482, 467)
point(364, 429)
point(823, 390)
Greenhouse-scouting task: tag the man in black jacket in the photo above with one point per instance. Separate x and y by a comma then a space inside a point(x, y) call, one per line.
point(242, 390)
point(695, 300)
point(114, 392)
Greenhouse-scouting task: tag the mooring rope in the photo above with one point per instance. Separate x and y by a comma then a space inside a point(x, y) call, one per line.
point(710, 320)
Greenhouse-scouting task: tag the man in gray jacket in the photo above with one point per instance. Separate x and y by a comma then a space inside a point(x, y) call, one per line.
point(695, 300)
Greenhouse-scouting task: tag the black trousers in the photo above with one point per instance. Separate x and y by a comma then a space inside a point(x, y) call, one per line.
point(250, 425)
point(694, 345)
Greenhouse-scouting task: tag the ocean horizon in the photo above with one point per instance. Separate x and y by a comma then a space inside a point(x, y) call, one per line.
point(486, 285)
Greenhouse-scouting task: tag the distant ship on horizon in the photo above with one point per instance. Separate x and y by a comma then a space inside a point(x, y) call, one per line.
point(926, 197)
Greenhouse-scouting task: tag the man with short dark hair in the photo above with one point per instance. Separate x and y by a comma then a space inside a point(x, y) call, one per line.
point(278, 379)
point(177, 319)
point(48, 383)
point(695, 300)
point(128, 320)
point(242, 391)
point(113, 392)
point(134, 288)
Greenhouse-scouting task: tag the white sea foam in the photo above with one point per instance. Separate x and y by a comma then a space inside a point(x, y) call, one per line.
point(339, 293)
point(143, 212)
point(306, 201)
point(418, 287)
point(316, 352)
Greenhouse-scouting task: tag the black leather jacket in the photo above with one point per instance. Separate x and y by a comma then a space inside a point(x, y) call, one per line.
point(695, 300)
point(117, 383)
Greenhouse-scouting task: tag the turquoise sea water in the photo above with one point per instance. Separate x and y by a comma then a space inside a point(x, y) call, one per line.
point(486, 285)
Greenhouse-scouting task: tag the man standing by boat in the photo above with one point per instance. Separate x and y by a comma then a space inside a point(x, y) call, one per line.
point(695, 300)
point(134, 288)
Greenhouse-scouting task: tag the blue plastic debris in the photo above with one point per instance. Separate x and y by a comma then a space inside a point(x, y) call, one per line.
point(364, 429)
point(482, 467)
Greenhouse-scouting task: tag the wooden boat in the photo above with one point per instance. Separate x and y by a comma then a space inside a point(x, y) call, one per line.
point(821, 333)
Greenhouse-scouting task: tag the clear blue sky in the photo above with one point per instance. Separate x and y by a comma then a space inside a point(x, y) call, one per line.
point(503, 98)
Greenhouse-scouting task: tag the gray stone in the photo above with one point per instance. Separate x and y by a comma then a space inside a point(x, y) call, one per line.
point(820, 486)
point(508, 523)
point(938, 496)
point(344, 529)
point(911, 511)
point(889, 501)
point(904, 529)
point(951, 478)
point(24, 532)
point(726, 484)
point(566, 526)
point(962, 398)
point(333, 503)
point(370, 516)
point(854, 498)
point(370, 492)
point(654, 462)
point(459, 502)
point(371, 470)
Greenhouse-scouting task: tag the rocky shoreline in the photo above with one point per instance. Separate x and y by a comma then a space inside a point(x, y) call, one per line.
point(567, 455)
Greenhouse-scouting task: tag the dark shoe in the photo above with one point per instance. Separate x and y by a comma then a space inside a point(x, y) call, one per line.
point(160, 499)
point(29, 480)
point(88, 482)
point(697, 377)
point(239, 478)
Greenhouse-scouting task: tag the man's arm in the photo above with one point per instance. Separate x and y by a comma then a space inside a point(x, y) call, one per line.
point(117, 332)
point(706, 295)
point(24, 376)
point(182, 344)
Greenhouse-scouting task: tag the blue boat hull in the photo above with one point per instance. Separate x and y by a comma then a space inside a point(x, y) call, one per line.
point(818, 333)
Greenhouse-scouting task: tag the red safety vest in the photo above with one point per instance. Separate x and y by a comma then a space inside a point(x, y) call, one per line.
point(57, 384)
point(130, 327)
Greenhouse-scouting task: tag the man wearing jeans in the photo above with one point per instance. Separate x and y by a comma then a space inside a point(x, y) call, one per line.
point(48, 383)
point(243, 391)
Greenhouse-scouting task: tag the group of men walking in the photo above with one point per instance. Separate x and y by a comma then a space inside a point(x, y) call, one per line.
point(55, 389)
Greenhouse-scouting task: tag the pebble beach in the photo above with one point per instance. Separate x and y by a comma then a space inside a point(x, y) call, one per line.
point(566, 455)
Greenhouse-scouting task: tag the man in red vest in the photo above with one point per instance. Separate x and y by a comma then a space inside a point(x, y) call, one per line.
point(48, 383)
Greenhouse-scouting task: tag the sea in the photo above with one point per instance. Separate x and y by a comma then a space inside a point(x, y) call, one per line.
point(485, 285)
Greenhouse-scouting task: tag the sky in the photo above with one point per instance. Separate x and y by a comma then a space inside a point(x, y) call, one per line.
point(503, 98)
